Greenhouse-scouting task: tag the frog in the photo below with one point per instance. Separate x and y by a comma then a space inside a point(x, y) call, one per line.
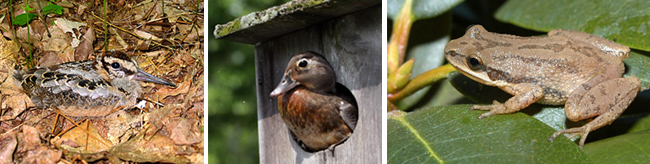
point(581, 71)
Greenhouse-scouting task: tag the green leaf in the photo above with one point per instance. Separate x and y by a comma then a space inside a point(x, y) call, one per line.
point(627, 148)
point(638, 65)
point(422, 8)
point(52, 9)
point(27, 8)
point(642, 124)
point(454, 134)
point(622, 21)
point(23, 19)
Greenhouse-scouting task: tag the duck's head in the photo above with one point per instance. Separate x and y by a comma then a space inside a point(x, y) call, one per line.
point(308, 69)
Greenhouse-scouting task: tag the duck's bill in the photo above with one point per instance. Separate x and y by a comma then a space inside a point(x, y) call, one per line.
point(285, 85)
point(146, 77)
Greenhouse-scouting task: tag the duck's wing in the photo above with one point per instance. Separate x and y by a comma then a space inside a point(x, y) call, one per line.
point(349, 113)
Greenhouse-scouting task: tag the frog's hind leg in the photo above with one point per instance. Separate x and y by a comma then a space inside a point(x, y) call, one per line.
point(608, 100)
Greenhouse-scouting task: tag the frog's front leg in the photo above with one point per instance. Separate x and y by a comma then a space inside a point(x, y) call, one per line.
point(608, 99)
point(525, 94)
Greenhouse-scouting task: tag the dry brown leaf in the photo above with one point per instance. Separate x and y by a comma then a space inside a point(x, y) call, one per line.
point(118, 38)
point(92, 143)
point(43, 155)
point(49, 58)
point(190, 34)
point(8, 142)
point(29, 139)
point(15, 98)
point(86, 47)
point(196, 157)
point(35, 36)
point(183, 131)
point(153, 54)
point(158, 148)
point(120, 125)
point(58, 142)
point(58, 43)
point(8, 56)
point(146, 35)
point(167, 91)
point(143, 45)
point(70, 27)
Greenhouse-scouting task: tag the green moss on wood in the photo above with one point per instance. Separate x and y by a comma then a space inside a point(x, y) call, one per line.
point(267, 15)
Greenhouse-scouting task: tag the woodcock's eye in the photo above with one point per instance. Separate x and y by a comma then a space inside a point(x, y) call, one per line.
point(302, 63)
point(115, 65)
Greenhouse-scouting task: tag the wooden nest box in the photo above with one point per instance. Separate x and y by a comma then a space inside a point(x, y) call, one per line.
point(348, 34)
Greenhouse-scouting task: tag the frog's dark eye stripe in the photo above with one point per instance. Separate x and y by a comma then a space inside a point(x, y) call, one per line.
point(475, 62)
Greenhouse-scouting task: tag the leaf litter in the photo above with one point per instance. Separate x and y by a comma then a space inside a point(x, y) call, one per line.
point(166, 44)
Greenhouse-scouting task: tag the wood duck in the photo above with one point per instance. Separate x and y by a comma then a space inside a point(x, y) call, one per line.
point(89, 88)
point(308, 102)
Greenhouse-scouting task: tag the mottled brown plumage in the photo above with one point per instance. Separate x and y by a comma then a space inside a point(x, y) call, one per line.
point(310, 106)
point(89, 88)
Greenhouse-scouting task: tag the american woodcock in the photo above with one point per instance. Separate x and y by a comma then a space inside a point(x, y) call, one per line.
point(310, 106)
point(89, 88)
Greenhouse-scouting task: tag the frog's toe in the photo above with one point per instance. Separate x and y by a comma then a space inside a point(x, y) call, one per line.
point(487, 114)
point(476, 107)
point(573, 132)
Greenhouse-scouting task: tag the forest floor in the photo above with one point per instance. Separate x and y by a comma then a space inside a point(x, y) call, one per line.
point(167, 127)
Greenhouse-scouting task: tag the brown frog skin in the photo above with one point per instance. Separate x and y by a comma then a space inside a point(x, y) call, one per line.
point(577, 69)
point(309, 105)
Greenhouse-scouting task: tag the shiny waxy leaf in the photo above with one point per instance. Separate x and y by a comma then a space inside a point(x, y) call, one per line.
point(627, 148)
point(643, 124)
point(621, 21)
point(421, 9)
point(454, 134)
point(638, 65)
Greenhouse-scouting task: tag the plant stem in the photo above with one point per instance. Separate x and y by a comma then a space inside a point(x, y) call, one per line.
point(421, 81)
point(105, 27)
point(29, 43)
point(399, 37)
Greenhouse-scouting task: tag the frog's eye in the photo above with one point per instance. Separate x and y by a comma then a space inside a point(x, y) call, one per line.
point(474, 62)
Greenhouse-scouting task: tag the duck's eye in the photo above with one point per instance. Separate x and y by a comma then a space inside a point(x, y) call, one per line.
point(474, 62)
point(115, 65)
point(302, 63)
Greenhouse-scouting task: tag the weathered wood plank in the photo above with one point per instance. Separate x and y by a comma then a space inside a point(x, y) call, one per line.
point(278, 20)
point(352, 45)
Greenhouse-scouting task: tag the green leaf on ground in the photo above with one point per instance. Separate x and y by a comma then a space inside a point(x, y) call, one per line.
point(52, 9)
point(23, 19)
point(454, 134)
point(27, 8)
